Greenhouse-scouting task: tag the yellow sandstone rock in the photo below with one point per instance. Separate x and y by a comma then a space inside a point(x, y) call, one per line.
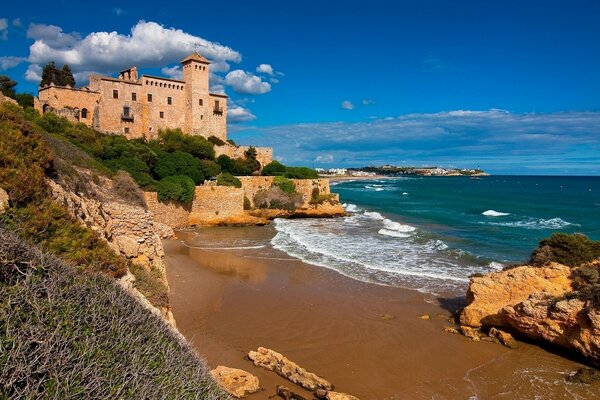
point(236, 382)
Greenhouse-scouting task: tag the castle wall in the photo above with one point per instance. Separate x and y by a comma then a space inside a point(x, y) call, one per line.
point(254, 184)
point(212, 203)
point(172, 114)
point(217, 121)
point(59, 97)
point(264, 155)
point(172, 214)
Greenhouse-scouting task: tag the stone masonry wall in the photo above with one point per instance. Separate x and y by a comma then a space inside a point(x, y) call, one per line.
point(59, 97)
point(213, 203)
point(253, 184)
point(172, 214)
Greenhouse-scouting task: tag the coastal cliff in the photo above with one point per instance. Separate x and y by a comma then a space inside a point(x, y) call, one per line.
point(552, 303)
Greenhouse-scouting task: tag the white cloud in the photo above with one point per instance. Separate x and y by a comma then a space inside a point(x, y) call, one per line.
point(367, 102)
point(245, 82)
point(347, 105)
point(148, 44)
point(119, 11)
point(265, 69)
point(237, 113)
point(34, 73)
point(10, 62)
point(17, 22)
point(274, 80)
point(173, 72)
point(3, 29)
point(324, 158)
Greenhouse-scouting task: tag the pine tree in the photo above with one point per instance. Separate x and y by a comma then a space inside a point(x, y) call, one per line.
point(7, 86)
point(67, 76)
point(60, 77)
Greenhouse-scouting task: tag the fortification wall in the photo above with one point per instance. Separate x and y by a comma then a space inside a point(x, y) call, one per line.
point(264, 155)
point(59, 98)
point(254, 184)
point(172, 214)
point(215, 203)
point(217, 125)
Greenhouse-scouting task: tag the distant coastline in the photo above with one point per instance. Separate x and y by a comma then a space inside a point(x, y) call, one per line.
point(378, 172)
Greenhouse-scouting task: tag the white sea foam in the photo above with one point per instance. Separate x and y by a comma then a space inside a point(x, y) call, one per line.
point(374, 215)
point(351, 207)
point(493, 213)
point(397, 226)
point(388, 232)
point(496, 265)
point(536, 223)
point(404, 194)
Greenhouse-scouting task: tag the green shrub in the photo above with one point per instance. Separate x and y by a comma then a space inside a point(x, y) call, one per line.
point(274, 168)
point(24, 99)
point(284, 184)
point(231, 142)
point(275, 198)
point(227, 164)
point(301, 173)
point(174, 139)
point(216, 141)
point(226, 179)
point(179, 163)
point(178, 188)
point(209, 168)
point(247, 204)
point(571, 250)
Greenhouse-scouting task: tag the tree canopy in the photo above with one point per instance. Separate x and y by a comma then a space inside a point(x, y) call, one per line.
point(7, 86)
point(59, 76)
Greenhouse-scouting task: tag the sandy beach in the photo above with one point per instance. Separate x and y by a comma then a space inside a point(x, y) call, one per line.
point(231, 293)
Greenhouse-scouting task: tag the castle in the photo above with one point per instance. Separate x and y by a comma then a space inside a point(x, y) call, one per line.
point(138, 107)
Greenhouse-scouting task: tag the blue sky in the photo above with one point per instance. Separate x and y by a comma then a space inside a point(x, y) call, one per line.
point(509, 86)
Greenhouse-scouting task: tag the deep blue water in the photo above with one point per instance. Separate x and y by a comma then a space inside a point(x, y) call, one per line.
point(431, 233)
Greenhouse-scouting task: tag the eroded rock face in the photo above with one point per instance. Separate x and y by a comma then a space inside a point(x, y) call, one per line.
point(570, 323)
point(504, 338)
point(276, 362)
point(236, 382)
point(489, 294)
point(3, 200)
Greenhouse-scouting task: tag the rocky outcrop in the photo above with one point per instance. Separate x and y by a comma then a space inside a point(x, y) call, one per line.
point(236, 382)
point(532, 302)
point(276, 362)
point(127, 228)
point(330, 395)
point(6, 99)
point(3, 200)
point(489, 294)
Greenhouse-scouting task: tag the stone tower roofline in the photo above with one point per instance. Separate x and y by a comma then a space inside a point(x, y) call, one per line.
point(195, 56)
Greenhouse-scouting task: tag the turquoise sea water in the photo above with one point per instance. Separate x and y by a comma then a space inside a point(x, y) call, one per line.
point(431, 233)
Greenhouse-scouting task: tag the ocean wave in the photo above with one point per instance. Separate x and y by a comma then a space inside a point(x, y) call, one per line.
point(397, 226)
point(397, 234)
point(536, 223)
point(496, 265)
point(404, 194)
point(351, 207)
point(374, 215)
point(225, 248)
point(493, 213)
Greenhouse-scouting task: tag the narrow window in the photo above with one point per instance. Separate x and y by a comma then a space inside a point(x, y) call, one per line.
point(126, 130)
point(162, 114)
point(149, 97)
point(134, 96)
point(169, 100)
point(84, 113)
point(126, 111)
point(200, 102)
point(115, 94)
point(216, 104)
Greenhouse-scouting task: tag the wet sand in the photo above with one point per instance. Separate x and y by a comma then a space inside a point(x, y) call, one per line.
point(367, 339)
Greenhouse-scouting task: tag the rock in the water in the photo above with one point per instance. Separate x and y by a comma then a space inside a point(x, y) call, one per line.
point(450, 329)
point(489, 294)
point(585, 375)
point(236, 382)
point(287, 394)
point(3, 200)
point(469, 332)
point(386, 317)
point(339, 396)
point(504, 338)
point(425, 317)
point(276, 362)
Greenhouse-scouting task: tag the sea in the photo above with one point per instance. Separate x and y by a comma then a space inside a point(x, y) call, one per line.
point(432, 233)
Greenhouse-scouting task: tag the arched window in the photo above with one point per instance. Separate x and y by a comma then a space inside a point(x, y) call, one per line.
point(45, 108)
point(84, 113)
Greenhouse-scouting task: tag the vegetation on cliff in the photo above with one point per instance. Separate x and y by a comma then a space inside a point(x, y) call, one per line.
point(64, 334)
point(275, 168)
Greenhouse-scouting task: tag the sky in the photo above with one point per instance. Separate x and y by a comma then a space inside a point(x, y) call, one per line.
point(512, 87)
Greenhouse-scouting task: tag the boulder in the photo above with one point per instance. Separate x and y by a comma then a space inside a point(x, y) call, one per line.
point(286, 394)
point(236, 382)
point(339, 396)
point(273, 361)
point(489, 294)
point(3, 200)
point(471, 333)
point(128, 245)
point(585, 375)
point(504, 338)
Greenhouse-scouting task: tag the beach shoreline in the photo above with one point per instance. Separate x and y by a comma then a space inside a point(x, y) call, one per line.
point(229, 297)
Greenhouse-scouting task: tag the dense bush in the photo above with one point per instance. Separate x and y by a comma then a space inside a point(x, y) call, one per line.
point(571, 250)
point(65, 334)
point(274, 168)
point(247, 203)
point(238, 166)
point(177, 187)
point(179, 163)
point(216, 141)
point(174, 139)
point(275, 198)
point(301, 173)
point(284, 184)
point(226, 179)
point(126, 188)
point(209, 168)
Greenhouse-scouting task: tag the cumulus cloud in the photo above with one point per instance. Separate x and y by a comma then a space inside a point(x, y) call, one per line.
point(265, 69)
point(237, 113)
point(3, 29)
point(172, 72)
point(148, 44)
point(10, 62)
point(497, 140)
point(347, 105)
point(34, 73)
point(17, 22)
point(247, 83)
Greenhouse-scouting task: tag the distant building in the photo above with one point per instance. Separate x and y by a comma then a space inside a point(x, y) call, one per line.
point(140, 106)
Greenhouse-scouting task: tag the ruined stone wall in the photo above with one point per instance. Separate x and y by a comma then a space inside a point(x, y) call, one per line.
point(264, 155)
point(217, 121)
point(213, 203)
point(172, 214)
point(254, 184)
point(59, 98)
